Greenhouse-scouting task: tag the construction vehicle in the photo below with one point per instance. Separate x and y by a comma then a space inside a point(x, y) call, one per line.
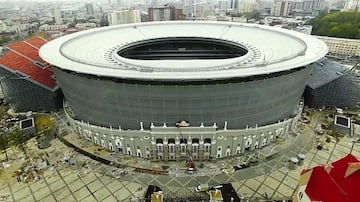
point(202, 188)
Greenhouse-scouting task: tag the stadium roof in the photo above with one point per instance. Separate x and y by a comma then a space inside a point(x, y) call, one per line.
point(269, 50)
point(23, 58)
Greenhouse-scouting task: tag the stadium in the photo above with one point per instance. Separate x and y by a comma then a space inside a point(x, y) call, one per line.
point(166, 90)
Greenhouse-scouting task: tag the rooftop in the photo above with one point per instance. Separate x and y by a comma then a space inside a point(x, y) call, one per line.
point(324, 72)
point(340, 179)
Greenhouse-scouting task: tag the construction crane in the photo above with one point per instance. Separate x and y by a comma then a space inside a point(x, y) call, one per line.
point(190, 164)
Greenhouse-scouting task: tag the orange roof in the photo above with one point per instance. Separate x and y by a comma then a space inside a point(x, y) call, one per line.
point(23, 56)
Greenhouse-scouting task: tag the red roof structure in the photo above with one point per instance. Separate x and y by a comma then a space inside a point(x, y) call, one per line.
point(36, 41)
point(23, 57)
point(337, 182)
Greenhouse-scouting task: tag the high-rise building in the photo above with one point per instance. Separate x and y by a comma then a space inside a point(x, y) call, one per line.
point(248, 6)
point(311, 5)
point(124, 17)
point(308, 5)
point(55, 14)
point(234, 5)
point(204, 10)
point(352, 5)
point(165, 13)
point(221, 7)
point(161, 13)
point(89, 9)
point(281, 8)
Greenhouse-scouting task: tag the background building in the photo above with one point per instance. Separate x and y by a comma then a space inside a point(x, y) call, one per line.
point(89, 9)
point(234, 5)
point(204, 10)
point(165, 13)
point(281, 8)
point(124, 17)
point(342, 47)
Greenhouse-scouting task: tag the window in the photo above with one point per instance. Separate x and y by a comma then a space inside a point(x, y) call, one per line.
point(248, 142)
point(171, 141)
point(118, 143)
point(182, 148)
point(159, 145)
point(160, 148)
point(207, 145)
point(183, 141)
point(159, 141)
point(207, 148)
point(171, 148)
point(264, 142)
point(195, 148)
point(195, 141)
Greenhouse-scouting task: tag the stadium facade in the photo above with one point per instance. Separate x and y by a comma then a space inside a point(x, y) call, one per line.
point(228, 87)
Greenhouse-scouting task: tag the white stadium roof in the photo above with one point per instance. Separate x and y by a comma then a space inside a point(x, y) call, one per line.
point(270, 50)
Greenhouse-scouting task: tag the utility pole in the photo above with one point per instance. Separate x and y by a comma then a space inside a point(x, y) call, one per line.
point(357, 140)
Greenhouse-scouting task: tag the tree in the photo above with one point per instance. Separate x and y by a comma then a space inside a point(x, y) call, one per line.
point(18, 138)
point(104, 22)
point(253, 15)
point(4, 40)
point(4, 142)
point(342, 24)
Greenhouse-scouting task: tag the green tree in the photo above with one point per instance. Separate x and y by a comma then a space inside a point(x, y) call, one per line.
point(4, 142)
point(342, 24)
point(104, 22)
point(18, 139)
point(253, 15)
point(4, 40)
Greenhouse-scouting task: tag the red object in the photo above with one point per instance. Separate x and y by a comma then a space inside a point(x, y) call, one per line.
point(334, 186)
point(36, 41)
point(23, 56)
point(191, 164)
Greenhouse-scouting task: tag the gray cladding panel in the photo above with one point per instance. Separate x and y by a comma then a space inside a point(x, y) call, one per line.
point(105, 102)
point(24, 95)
